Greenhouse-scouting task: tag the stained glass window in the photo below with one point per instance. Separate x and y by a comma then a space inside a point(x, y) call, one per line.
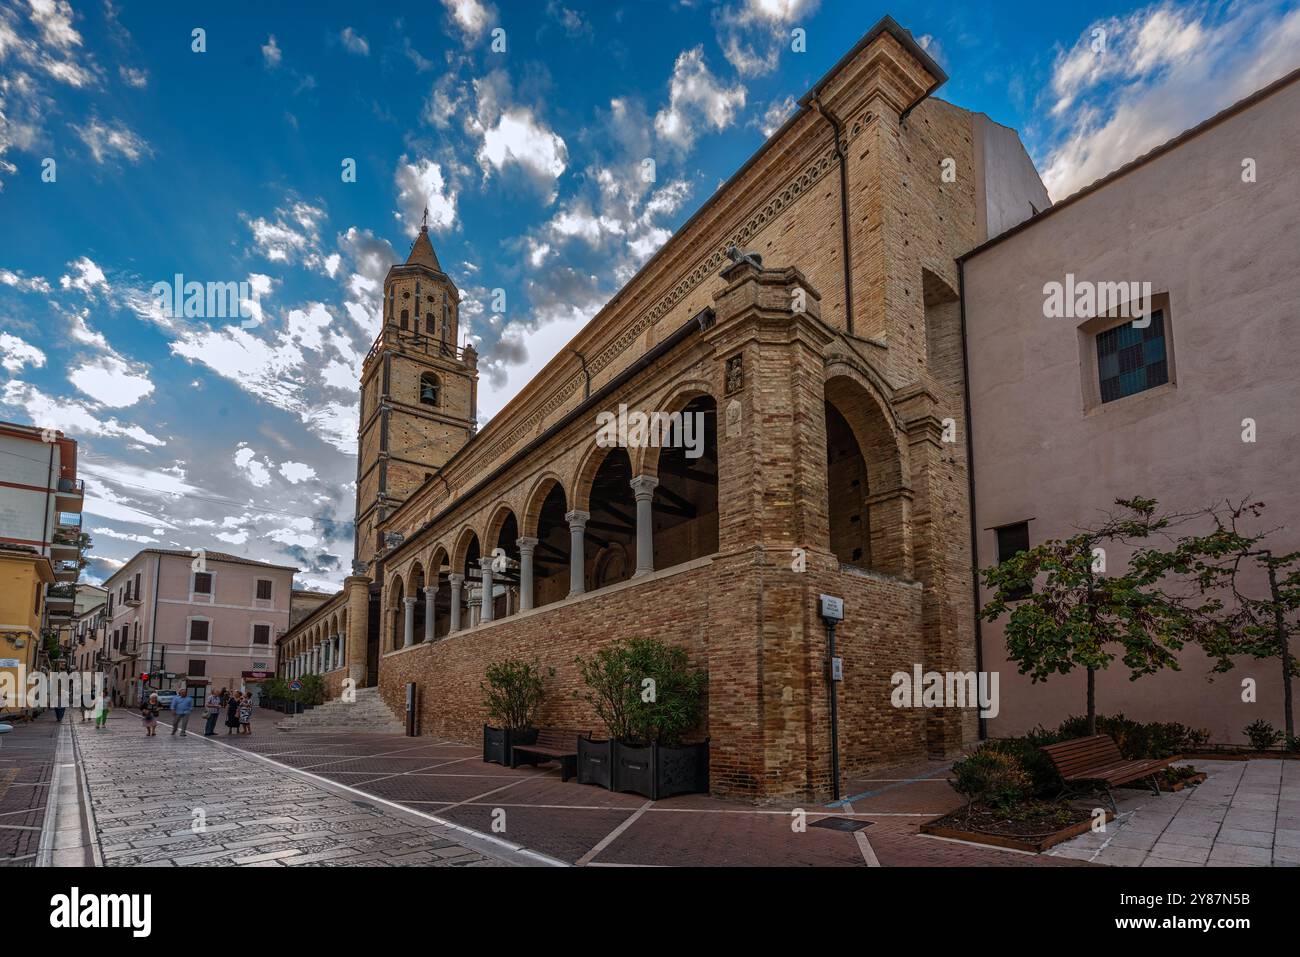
point(1131, 360)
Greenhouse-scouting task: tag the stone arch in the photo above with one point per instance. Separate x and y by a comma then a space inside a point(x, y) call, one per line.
point(868, 492)
point(673, 399)
point(438, 568)
point(609, 543)
point(417, 581)
point(396, 613)
point(536, 497)
point(466, 540)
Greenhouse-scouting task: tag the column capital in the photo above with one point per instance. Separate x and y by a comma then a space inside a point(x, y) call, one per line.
point(410, 602)
point(456, 579)
point(577, 518)
point(643, 486)
point(526, 543)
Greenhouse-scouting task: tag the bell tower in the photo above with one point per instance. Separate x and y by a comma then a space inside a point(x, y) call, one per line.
point(419, 391)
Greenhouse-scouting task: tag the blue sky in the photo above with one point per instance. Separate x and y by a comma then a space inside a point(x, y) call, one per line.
point(225, 166)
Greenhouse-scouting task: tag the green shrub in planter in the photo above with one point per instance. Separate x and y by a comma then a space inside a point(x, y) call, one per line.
point(513, 693)
point(1136, 740)
point(991, 777)
point(1043, 777)
point(1262, 735)
point(1293, 743)
point(644, 690)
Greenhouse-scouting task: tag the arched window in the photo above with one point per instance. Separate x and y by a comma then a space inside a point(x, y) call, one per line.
point(429, 388)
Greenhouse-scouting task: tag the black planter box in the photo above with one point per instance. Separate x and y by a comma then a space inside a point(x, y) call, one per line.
point(596, 762)
point(497, 742)
point(634, 769)
point(655, 772)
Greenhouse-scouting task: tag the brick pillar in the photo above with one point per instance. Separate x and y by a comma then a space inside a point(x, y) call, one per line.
point(769, 360)
point(358, 598)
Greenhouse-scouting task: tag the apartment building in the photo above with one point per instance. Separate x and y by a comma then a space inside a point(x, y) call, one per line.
point(198, 619)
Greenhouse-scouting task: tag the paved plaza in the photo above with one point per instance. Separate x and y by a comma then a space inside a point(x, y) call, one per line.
point(1245, 814)
point(177, 801)
point(277, 798)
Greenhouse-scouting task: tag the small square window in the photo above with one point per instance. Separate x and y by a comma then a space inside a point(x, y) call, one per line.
point(264, 589)
point(203, 583)
point(1132, 359)
point(198, 668)
point(261, 634)
point(198, 629)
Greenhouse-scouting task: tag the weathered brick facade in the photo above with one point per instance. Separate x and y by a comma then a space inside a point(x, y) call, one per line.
point(836, 460)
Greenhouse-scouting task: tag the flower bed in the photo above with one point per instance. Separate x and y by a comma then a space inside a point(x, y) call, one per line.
point(1030, 825)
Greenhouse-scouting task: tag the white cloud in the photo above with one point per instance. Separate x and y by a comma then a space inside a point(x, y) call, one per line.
point(353, 42)
point(257, 473)
point(1162, 70)
point(470, 16)
point(124, 536)
point(69, 415)
point(777, 112)
point(15, 353)
point(753, 33)
point(421, 185)
point(89, 277)
point(111, 382)
point(54, 17)
point(23, 283)
point(696, 99)
point(295, 472)
point(518, 137)
point(271, 53)
point(106, 140)
point(133, 76)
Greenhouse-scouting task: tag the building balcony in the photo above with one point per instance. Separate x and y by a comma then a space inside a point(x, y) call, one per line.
point(67, 525)
point(133, 601)
point(67, 571)
point(65, 548)
point(70, 495)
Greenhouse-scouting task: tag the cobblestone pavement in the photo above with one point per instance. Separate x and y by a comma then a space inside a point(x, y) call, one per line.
point(176, 801)
point(1245, 814)
point(26, 770)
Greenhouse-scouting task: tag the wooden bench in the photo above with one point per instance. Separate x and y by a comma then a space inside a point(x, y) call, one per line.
point(1096, 760)
point(553, 744)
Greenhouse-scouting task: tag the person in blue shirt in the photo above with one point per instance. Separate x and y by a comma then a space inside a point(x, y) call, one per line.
point(182, 705)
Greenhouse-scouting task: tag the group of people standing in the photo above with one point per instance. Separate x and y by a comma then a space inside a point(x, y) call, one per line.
point(237, 706)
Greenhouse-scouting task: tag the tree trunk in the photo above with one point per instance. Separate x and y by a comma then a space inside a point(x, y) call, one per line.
point(1092, 701)
point(1284, 644)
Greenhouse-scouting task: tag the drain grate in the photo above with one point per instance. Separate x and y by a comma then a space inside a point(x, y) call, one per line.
point(841, 824)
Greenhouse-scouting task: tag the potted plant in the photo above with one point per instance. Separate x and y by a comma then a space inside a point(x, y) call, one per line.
point(649, 698)
point(512, 695)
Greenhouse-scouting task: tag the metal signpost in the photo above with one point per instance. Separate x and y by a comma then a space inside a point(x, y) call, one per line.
point(832, 612)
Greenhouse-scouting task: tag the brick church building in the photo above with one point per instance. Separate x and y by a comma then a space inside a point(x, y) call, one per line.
point(808, 315)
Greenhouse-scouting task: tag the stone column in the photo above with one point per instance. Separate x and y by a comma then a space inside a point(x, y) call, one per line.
point(526, 546)
point(488, 608)
point(430, 596)
point(475, 603)
point(577, 559)
point(408, 622)
point(326, 657)
point(457, 581)
point(643, 487)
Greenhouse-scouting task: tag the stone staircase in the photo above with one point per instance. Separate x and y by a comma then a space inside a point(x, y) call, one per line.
point(367, 715)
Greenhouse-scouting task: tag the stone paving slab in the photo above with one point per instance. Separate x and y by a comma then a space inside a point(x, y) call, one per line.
point(1233, 819)
point(184, 801)
point(26, 773)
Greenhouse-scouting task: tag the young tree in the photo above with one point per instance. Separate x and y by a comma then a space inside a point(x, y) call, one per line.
point(1261, 626)
point(1067, 610)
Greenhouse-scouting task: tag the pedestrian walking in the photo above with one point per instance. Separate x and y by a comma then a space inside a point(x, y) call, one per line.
point(211, 710)
point(182, 705)
point(246, 715)
point(232, 713)
point(150, 713)
point(101, 711)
